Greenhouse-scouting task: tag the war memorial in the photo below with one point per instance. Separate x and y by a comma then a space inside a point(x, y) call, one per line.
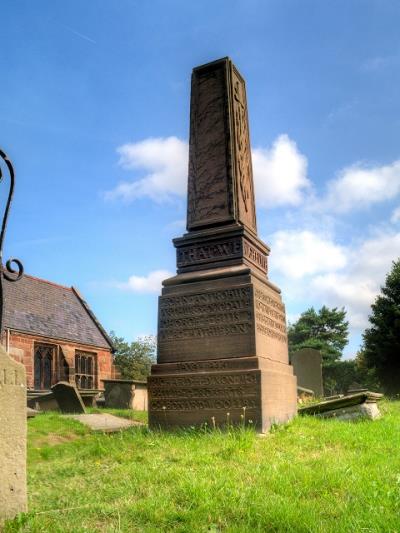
point(222, 343)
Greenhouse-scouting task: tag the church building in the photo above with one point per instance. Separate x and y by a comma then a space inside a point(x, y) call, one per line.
point(53, 332)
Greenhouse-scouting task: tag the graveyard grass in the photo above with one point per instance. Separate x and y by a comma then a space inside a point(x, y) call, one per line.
point(308, 476)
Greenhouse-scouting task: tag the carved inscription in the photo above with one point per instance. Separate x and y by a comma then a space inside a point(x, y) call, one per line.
point(203, 253)
point(208, 314)
point(270, 316)
point(191, 366)
point(242, 153)
point(255, 256)
point(215, 391)
point(10, 376)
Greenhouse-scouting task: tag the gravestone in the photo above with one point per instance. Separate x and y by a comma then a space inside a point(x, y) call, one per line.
point(307, 366)
point(222, 354)
point(68, 397)
point(13, 497)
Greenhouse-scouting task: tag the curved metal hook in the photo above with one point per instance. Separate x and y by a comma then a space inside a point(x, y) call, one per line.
point(9, 269)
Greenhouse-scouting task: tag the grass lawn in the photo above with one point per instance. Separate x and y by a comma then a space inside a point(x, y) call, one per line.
point(309, 476)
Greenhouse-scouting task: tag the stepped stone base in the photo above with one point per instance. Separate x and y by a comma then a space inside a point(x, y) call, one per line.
point(222, 352)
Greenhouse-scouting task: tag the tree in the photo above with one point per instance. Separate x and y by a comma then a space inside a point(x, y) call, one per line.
point(134, 359)
point(326, 330)
point(381, 351)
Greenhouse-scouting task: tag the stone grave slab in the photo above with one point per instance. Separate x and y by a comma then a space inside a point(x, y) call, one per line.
point(346, 407)
point(68, 397)
point(13, 492)
point(105, 422)
point(222, 351)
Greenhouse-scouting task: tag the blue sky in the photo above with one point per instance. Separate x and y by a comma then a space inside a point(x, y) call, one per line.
point(94, 112)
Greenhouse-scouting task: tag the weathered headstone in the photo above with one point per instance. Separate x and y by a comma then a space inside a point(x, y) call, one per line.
point(68, 397)
point(222, 344)
point(307, 366)
point(13, 497)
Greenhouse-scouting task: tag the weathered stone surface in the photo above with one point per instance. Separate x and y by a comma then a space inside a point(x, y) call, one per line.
point(42, 401)
point(366, 411)
point(68, 397)
point(125, 394)
point(13, 495)
point(220, 171)
point(119, 393)
point(341, 402)
point(222, 343)
point(105, 422)
point(307, 366)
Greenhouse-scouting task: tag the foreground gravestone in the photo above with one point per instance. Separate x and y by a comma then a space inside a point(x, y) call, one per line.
point(68, 397)
point(307, 366)
point(222, 345)
point(13, 497)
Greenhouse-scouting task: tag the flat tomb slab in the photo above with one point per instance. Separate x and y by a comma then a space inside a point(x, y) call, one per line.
point(105, 422)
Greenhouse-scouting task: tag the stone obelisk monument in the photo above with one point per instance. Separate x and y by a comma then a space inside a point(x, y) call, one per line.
point(222, 344)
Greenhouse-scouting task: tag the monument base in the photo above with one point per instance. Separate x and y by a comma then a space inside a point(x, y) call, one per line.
point(222, 353)
point(248, 391)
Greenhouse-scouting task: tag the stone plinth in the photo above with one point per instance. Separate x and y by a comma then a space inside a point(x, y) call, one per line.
point(307, 366)
point(210, 329)
point(222, 353)
point(13, 495)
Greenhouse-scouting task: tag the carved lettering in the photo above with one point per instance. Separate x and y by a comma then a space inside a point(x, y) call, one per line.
point(208, 314)
point(197, 254)
point(204, 391)
point(195, 404)
point(242, 152)
point(10, 377)
point(202, 380)
point(192, 366)
point(255, 256)
point(270, 316)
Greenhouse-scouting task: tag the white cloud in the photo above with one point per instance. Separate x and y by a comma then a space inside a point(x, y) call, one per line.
point(302, 253)
point(145, 284)
point(280, 173)
point(357, 187)
point(357, 285)
point(164, 162)
point(314, 270)
point(395, 216)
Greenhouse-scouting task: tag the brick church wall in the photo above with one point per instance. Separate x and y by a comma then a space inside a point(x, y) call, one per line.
point(21, 347)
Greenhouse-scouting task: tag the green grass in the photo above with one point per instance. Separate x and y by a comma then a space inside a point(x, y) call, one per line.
point(309, 476)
